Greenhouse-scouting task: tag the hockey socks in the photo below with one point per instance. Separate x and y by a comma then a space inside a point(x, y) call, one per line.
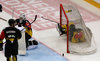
point(14, 58)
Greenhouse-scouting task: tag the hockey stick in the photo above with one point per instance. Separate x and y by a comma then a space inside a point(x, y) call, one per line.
point(31, 22)
point(3, 19)
point(49, 20)
point(54, 22)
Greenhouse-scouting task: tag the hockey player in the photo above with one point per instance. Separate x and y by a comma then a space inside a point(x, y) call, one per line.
point(78, 36)
point(11, 34)
point(22, 21)
point(75, 35)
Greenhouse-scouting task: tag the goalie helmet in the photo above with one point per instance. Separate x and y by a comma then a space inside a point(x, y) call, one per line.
point(22, 16)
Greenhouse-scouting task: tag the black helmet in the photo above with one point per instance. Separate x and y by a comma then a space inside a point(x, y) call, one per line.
point(11, 21)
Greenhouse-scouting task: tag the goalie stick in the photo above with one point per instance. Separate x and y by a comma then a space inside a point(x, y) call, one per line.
point(67, 11)
point(58, 26)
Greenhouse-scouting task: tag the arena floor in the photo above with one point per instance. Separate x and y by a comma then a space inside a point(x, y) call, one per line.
point(52, 46)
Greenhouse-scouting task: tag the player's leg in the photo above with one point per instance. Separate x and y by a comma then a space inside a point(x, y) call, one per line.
point(15, 52)
point(9, 59)
point(15, 58)
point(27, 37)
point(1, 45)
point(28, 43)
point(8, 52)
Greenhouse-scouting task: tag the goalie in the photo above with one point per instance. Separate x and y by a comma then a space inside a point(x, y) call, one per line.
point(23, 22)
point(75, 35)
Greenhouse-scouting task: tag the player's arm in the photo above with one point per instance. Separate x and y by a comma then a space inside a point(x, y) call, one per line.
point(2, 36)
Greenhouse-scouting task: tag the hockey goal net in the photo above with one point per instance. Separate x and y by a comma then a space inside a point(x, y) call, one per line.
point(79, 37)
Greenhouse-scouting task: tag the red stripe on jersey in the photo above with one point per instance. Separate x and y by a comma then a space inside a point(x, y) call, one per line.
point(2, 36)
point(27, 24)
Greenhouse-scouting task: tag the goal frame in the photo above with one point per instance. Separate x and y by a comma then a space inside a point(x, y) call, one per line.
point(62, 10)
point(90, 46)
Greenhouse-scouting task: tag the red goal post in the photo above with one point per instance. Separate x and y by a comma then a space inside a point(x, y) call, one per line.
point(62, 10)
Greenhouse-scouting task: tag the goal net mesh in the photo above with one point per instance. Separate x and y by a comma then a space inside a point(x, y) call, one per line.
point(79, 37)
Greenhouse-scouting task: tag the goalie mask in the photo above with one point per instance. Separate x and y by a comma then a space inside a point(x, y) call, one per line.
point(22, 16)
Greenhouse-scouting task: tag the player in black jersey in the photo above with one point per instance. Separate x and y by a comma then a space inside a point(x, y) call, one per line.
point(11, 34)
point(22, 21)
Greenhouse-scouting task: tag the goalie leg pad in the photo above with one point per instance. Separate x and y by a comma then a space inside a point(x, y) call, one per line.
point(35, 42)
point(32, 44)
